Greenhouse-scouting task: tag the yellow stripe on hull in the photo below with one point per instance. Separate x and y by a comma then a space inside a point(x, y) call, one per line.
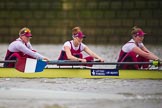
point(79, 73)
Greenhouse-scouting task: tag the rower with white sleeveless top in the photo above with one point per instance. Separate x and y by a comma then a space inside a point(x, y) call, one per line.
point(22, 47)
point(135, 51)
point(72, 49)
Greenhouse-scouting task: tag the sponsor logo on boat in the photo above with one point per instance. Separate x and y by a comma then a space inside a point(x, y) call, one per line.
point(104, 72)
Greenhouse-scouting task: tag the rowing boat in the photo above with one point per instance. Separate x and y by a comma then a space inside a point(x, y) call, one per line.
point(82, 73)
point(32, 68)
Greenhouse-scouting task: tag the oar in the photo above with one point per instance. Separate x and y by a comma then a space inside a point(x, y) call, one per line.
point(62, 62)
point(29, 65)
point(70, 62)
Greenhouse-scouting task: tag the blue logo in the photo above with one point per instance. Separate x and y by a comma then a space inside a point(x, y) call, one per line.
point(104, 72)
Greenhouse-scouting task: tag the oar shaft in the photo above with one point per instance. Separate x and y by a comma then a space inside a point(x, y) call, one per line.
point(97, 63)
point(68, 62)
point(8, 61)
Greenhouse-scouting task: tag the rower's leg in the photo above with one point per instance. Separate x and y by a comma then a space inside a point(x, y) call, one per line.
point(142, 59)
point(89, 59)
point(130, 57)
point(14, 56)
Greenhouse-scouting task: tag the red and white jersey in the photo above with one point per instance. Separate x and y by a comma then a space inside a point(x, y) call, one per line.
point(19, 46)
point(130, 45)
point(71, 44)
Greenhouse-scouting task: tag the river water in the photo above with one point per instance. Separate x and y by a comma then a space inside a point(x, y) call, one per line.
point(77, 92)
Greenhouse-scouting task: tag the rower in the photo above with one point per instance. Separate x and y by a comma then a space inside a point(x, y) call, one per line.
point(72, 49)
point(135, 51)
point(22, 47)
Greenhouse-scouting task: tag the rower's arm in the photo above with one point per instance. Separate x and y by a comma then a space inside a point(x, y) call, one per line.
point(70, 56)
point(142, 53)
point(91, 53)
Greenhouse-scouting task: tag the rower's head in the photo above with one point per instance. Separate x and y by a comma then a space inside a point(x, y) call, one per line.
point(77, 33)
point(137, 34)
point(25, 32)
point(136, 31)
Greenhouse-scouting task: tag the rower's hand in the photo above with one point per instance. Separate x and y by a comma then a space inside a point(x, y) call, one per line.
point(45, 59)
point(83, 60)
point(101, 59)
point(157, 63)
